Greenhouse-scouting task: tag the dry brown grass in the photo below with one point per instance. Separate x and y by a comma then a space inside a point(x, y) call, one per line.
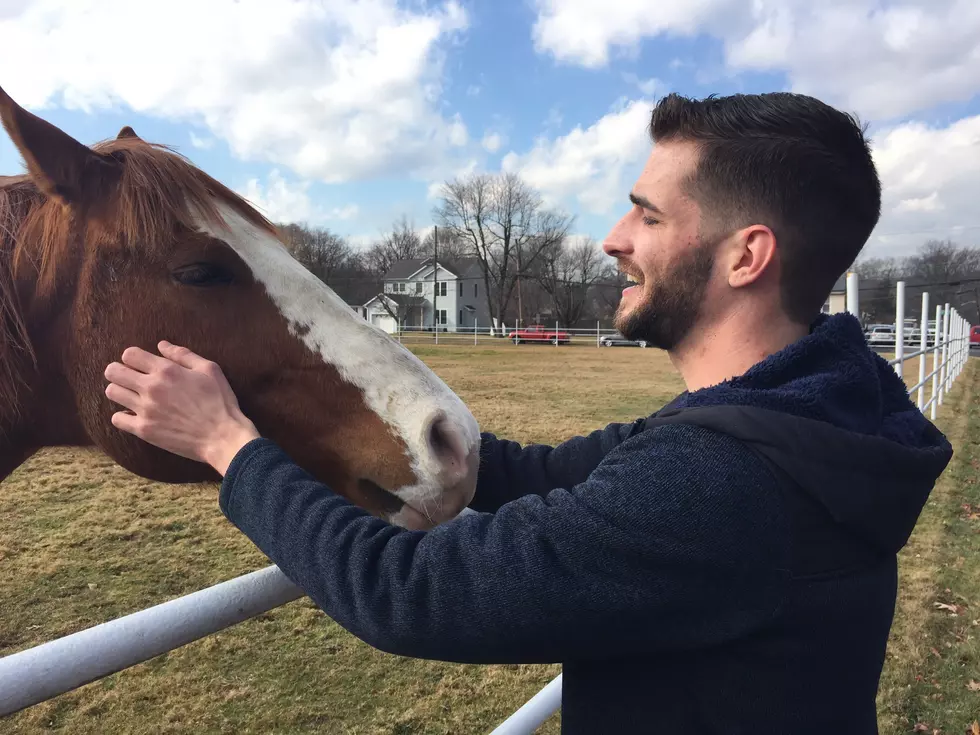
point(933, 653)
point(82, 541)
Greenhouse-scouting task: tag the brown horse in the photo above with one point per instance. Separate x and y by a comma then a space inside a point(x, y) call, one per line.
point(127, 243)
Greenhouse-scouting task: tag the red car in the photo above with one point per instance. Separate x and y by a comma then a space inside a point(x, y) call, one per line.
point(975, 336)
point(538, 333)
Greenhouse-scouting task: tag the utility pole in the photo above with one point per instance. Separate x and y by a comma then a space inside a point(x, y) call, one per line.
point(435, 280)
point(520, 300)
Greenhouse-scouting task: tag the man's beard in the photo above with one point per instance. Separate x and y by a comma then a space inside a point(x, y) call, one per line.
point(666, 316)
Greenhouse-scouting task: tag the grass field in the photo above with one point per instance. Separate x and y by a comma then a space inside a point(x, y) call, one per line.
point(82, 541)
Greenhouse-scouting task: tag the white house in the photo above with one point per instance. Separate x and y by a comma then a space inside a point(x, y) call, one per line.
point(411, 286)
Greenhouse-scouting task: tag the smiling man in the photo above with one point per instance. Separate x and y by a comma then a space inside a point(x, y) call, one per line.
point(726, 564)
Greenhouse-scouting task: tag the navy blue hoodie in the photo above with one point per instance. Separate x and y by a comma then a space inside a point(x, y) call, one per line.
point(725, 565)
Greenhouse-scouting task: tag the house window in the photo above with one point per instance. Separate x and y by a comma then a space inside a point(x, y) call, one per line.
point(442, 316)
point(460, 288)
point(460, 320)
point(441, 287)
point(474, 289)
point(418, 287)
point(401, 287)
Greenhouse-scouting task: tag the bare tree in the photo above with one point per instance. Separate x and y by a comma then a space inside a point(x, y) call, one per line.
point(941, 261)
point(451, 247)
point(402, 242)
point(567, 272)
point(503, 223)
point(322, 252)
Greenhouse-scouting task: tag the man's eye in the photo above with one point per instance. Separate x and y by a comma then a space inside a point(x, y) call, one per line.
point(650, 221)
point(202, 274)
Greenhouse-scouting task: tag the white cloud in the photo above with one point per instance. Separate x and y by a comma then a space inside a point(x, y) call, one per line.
point(492, 141)
point(881, 60)
point(929, 176)
point(335, 91)
point(647, 87)
point(589, 165)
point(281, 201)
point(204, 143)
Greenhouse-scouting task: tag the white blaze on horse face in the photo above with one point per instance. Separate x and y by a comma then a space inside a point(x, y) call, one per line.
point(396, 384)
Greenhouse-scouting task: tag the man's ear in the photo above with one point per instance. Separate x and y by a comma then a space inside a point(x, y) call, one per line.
point(754, 255)
point(59, 165)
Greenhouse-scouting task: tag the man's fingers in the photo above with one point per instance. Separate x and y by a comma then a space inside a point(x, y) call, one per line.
point(125, 376)
point(183, 356)
point(139, 359)
point(123, 396)
point(128, 422)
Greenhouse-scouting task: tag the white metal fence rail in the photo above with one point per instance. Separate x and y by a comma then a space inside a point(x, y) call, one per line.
point(47, 670)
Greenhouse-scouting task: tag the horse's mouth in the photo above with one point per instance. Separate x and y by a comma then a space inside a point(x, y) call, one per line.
point(388, 503)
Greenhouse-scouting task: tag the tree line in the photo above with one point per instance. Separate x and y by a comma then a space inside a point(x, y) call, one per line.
point(948, 271)
point(529, 264)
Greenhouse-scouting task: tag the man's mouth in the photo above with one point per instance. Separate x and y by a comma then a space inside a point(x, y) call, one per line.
point(634, 279)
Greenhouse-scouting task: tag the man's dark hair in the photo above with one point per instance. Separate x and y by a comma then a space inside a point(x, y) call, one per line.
point(790, 162)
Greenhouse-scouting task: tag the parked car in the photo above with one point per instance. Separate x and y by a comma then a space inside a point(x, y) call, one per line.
point(617, 340)
point(539, 333)
point(975, 336)
point(882, 335)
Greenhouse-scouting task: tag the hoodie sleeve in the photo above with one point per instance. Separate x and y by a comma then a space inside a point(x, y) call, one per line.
point(675, 540)
point(509, 471)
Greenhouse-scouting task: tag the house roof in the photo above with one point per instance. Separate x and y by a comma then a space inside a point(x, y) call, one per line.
point(397, 300)
point(403, 269)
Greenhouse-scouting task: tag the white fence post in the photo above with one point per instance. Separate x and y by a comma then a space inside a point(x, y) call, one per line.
point(853, 297)
point(935, 363)
point(900, 328)
point(923, 345)
point(945, 353)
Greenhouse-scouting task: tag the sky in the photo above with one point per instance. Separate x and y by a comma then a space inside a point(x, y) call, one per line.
point(348, 114)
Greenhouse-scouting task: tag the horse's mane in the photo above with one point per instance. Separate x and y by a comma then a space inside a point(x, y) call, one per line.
point(17, 197)
point(159, 193)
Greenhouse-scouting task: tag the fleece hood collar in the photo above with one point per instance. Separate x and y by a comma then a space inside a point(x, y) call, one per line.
point(835, 417)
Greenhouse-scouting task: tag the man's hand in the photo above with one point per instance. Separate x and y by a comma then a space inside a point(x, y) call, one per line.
point(179, 402)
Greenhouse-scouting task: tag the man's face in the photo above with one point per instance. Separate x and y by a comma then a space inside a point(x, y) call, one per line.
point(657, 245)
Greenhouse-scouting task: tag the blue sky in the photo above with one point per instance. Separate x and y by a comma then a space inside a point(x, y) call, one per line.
point(349, 114)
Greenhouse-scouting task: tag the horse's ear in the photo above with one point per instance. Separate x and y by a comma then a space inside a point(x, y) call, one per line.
point(127, 132)
point(58, 164)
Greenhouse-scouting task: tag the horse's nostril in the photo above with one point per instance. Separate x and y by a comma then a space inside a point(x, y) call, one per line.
point(445, 443)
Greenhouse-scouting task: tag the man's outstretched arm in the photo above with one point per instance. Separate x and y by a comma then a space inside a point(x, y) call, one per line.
point(659, 547)
point(509, 470)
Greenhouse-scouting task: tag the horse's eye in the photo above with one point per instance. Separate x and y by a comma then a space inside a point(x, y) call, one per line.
point(202, 274)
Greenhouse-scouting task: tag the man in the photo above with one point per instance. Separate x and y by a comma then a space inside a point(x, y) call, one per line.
point(727, 565)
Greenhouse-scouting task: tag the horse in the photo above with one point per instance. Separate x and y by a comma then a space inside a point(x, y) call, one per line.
point(127, 243)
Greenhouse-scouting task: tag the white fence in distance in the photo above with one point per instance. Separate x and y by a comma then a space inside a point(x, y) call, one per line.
point(61, 665)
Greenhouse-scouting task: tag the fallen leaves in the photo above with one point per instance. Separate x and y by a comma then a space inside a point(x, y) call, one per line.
point(973, 686)
point(974, 728)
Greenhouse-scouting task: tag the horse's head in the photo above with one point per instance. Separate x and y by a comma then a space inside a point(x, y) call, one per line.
point(127, 243)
